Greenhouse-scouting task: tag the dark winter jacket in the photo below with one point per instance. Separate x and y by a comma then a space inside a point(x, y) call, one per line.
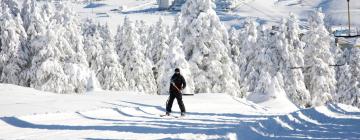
point(179, 81)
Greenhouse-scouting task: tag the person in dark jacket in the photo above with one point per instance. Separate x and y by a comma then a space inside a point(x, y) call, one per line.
point(177, 83)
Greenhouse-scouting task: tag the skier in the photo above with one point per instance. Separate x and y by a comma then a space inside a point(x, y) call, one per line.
point(177, 83)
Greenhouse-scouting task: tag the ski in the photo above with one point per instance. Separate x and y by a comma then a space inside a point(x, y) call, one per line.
point(168, 116)
point(171, 116)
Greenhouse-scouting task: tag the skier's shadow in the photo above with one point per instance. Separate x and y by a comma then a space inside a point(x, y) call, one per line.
point(153, 124)
point(222, 118)
point(147, 122)
point(228, 115)
point(161, 127)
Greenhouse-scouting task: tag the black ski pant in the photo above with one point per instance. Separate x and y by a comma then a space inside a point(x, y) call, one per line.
point(170, 101)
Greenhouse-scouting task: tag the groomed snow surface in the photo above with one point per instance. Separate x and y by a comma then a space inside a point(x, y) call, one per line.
point(30, 114)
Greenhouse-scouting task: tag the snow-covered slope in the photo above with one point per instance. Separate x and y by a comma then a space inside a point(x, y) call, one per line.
point(105, 115)
point(335, 10)
point(274, 10)
point(113, 12)
point(266, 11)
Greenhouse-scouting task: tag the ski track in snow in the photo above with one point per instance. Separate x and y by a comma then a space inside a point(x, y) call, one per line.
point(136, 116)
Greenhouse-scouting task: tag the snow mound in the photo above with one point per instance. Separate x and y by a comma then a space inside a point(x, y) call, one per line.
point(273, 97)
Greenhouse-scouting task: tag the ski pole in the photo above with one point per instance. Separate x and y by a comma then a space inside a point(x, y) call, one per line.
point(173, 84)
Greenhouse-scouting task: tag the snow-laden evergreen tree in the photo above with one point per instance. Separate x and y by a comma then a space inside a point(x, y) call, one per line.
point(160, 45)
point(113, 77)
point(47, 71)
point(150, 42)
point(35, 28)
point(344, 85)
point(205, 42)
point(246, 60)
point(234, 44)
point(234, 53)
point(1, 14)
point(101, 56)
point(1, 8)
point(12, 6)
point(12, 56)
point(28, 10)
point(349, 92)
point(70, 36)
point(262, 91)
point(269, 56)
point(143, 31)
point(319, 76)
point(293, 77)
point(93, 48)
point(58, 61)
point(175, 58)
point(265, 63)
point(137, 67)
point(277, 58)
point(297, 46)
point(119, 38)
point(175, 29)
point(47, 12)
point(33, 22)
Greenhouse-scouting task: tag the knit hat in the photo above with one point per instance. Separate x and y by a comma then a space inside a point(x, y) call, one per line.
point(177, 70)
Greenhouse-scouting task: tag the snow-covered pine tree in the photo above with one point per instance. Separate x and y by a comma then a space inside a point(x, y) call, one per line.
point(205, 42)
point(293, 77)
point(28, 10)
point(176, 26)
point(296, 48)
point(234, 44)
point(265, 62)
point(150, 42)
point(175, 58)
point(354, 87)
point(101, 56)
point(59, 61)
point(35, 29)
point(246, 60)
point(276, 58)
point(143, 31)
point(47, 71)
point(47, 12)
point(348, 77)
point(12, 5)
point(93, 49)
point(319, 76)
point(119, 38)
point(262, 91)
point(1, 14)
point(160, 45)
point(136, 66)
point(75, 64)
point(113, 77)
point(13, 57)
point(344, 85)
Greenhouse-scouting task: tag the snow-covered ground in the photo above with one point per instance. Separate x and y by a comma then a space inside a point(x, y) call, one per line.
point(30, 114)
